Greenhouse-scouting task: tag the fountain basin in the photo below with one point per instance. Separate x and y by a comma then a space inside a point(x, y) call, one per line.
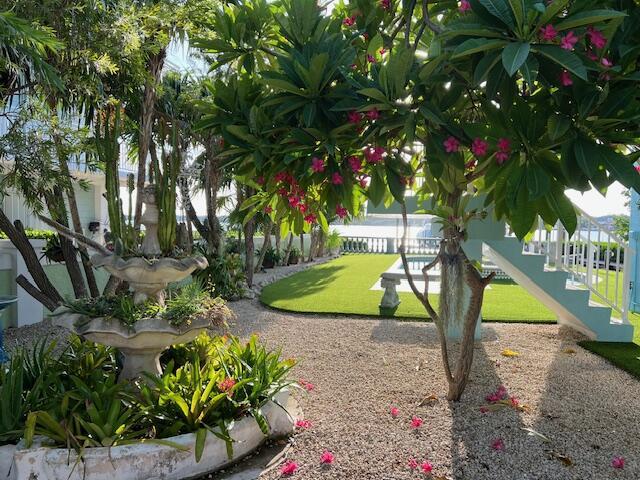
point(149, 278)
point(142, 343)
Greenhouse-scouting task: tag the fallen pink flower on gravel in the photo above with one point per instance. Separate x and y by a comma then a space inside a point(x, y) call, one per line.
point(308, 386)
point(416, 422)
point(394, 412)
point(289, 468)
point(326, 457)
point(426, 467)
point(413, 463)
point(618, 462)
point(484, 409)
point(304, 424)
point(498, 444)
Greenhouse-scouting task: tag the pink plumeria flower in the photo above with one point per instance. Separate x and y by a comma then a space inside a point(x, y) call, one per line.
point(502, 157)
point(303, 424)
point(426, 467)
point(548, 33)
point(317, 165)
point(504, 145)
point(268, 209)
point(606, 62)
point(618, 463)
point(464, 6)
point(288, 468)
point(394, 411)
point(371, 59)
point(451, 145)
point(374, 154)
point(591, 55)
point(416, 422)
point(596, 37)
point(385, 4)
point(311, 218)
point(308, 386)
point(327, 457)
point(373, 114)
point(336, 178)
point(354, 117)
point(364, 182)
point(569, 41)
point(498, 444)
point(565, 79)
point(355, 163)
point(412, 464)
point(637, 167)
point(349, 21)
point(341, 211)
point(479, 147)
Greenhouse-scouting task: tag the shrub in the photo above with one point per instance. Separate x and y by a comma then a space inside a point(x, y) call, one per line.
point(333, 240)
point(271, 257)
point(224, 277)
point(294, 255)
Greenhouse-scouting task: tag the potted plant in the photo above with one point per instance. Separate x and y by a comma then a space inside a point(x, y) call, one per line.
point(271, 258)
point(333, 242)
point(294, 256)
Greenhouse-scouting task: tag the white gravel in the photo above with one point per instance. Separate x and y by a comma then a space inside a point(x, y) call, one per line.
point(588, 409)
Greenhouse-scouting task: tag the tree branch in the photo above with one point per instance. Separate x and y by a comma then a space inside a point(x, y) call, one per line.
point(37, 294)
point(75, 236)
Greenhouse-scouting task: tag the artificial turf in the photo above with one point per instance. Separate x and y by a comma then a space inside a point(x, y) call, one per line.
point(343, 286)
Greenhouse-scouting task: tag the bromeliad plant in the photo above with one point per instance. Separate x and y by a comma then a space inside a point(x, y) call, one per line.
point(73, 400)
point(498, 106)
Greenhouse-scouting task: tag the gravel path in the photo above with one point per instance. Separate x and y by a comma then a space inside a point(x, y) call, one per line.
point(588, 409)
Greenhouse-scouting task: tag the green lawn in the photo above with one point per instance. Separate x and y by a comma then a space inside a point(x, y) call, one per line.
point(623, 355)
point(343, 285)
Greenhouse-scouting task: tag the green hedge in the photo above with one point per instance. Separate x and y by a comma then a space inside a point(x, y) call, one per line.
point(34, 234)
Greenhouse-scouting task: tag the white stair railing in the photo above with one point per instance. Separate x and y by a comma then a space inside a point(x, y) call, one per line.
point(594, 256)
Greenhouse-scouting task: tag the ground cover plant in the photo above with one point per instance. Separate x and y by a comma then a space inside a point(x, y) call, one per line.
point(73, 398)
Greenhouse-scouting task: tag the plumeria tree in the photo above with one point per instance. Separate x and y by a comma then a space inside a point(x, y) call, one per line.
point(498, 106)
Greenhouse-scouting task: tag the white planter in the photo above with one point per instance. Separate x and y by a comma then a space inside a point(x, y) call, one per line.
point(149, 461)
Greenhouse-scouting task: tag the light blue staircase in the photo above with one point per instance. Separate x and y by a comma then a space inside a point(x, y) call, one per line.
point(572, 305)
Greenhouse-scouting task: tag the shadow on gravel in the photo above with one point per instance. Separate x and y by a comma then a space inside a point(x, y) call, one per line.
point(474, 433)
point(416, 332)
point(589, 412)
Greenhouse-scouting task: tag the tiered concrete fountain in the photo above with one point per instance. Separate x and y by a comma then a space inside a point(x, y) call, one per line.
point(148, 277)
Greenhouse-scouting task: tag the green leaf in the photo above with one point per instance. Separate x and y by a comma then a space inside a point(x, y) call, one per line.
point(500, 10)
point(557, 126)
point(564, 58)
point(552, 11)
point(201, 437)
point(586, 156)
point(538, 182)
point(588, 18)
point(476, 45)
point(524, 216)
point(514, 55)
point(530, 70)
point(484, 67)
point(377, 188)
point(373, 93)
point(620, 167)
point(563, 208)
point(518, 8)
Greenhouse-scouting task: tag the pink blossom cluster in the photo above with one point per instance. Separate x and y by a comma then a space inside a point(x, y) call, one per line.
point(425, 466)
point(374, 154)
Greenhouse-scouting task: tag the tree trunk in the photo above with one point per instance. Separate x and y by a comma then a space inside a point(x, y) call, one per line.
point(265, 246)
point(212, 178)
point(248, 250)
point(77, 224)
point(21, 242)
point(312, 245)
point(287, 252)
point(278, 238)
point(321, 243)
point(154, 66)
point(301, 247)
point(58, 211)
